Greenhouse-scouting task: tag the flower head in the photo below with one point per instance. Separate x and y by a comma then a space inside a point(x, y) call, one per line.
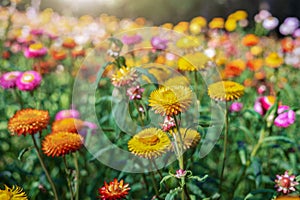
point(270, 23)
point(35, 50)
point(236, 107)
point(69, 43)
point(124, 76)
point(188, 42)
point(250, 40)
point(216, 23)
point(149, 143)
point(8, 79)
point(14, 193)
point(171, 100)
point(72, 113)
point(192, 62)
point(71, 125)
point(61, 143)
point(28, 121)
point(131, 39)
point(225, 91)
point(274, 60)
point(135, 92)
point(28, 81)
point(159, 43)
point(190, 137)
point(180, 173)
point(114, 190)
point(286, 183)
point(285, 118)
point(262, 104)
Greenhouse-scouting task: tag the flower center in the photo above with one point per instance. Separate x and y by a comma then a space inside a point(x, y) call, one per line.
point(27, 78)
point(149, 140)
point(10, 77)
point(36, 46)
point(285, 182)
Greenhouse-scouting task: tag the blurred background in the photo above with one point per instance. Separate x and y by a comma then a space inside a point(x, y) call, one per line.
point(161, 11)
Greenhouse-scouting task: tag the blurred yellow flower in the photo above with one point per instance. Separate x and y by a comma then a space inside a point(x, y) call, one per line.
point(273, 60)
point(192, 62)
point(225, 91)
point(14, 193)
point(188, 42)
point(216, 23)
point(239, 15)
point(230, 24)
point(256, 50)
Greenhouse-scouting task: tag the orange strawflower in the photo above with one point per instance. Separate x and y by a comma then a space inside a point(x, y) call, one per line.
point(71, 125)
point(287, 45)
point(255, 64)
point(61, 143)
point(69, 43)
point(28, 121)
point(234, 68)
point(250, 40)
point(114, 190)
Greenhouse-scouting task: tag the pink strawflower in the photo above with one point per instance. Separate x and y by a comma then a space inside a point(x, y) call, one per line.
point(159, 43)
point(8, 79)
point(285, 118)
point(131, 39)
point(262, 104)
point(72, 113)
point(35, 50)
point(168, 124)
point(37, 32)
point(135, 92)
point(236, 107)
point(180, 173)
point(28, 81)
point(286, 183)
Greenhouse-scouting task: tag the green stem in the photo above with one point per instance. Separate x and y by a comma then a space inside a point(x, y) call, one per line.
point(154, 184)
point(259, 143)
point(77, 176)
point(224, 148)
point(68, 178)
point(44, 167)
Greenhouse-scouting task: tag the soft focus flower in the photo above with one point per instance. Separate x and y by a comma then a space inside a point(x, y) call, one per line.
point(180, 173)
point(285, 118)
point(287, 44)
point(61, 143)
point(14, 193)
point(262, 15)
point(35, 50)
point(114, 190)
point(71, 125)
point(286, 183)
point(270, 23)
point(69, 43)
point(28, 81)
point(187, 42)
point(262, 104)
point(159, 43)
point(296, 33)
point(216, 23)
point(176, 80)
point(135, 92)
point(287, 198)
point(250, 40)
point(292, 22)
point(168, 124)
point(72, 113)
point(255, 64)
point(59, 54)
point(192, 62)
point(149, 143)
point(274, 60)
point(8, 79)
point(190, 137)
point(124, 76)
point(28, 121)
point(234, 68)
point(131, 39)
point(236, 107)
point(230, 24)
point(171, 100)
point(225, 91)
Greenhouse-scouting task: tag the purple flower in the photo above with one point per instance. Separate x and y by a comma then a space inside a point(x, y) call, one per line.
point(236, 107)
point(72, 113)
point(180, 173)
point(292, 22)
point(35, 51)
point(285, 183)
point(8, 80)
point(159, 43)
point(270, 23)
point(296, 33)
point(135, 92)
point(168, 124)
point(28, 81)
point(285, 118)
point(131, 39)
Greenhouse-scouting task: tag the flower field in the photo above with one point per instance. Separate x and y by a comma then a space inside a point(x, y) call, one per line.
point(108, 108)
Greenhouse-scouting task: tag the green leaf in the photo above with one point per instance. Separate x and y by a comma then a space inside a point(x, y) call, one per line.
point(197, 178)
point(278, 138)
point(165, 179)
point(99, 74)
point(23, 151)
point(116, 41)
point(171, 195)
point(260, 191)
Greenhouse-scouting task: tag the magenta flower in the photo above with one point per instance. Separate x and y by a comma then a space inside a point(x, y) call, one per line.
point(37, 32)
point(180, 173)
point(168, 124)
point(262, 104)
point(159, 43)
point(296, 33)
point(285, 183)
point(131, 39)
point(35, 51)
point(236, 107)
point(135, 92)
point(285, 118)
point(28, 81)
point(8, 79)
point(72, 113)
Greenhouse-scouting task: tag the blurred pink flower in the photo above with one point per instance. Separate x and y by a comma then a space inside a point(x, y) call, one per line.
point(72, 113)
point(168, 124)
point(285, 183)
point(131, 39)
point(35, 51)
point(262, 104)
point(28, 81)
point(180, 173)
point(285, 118)
point(159, 43)
point(8, 79)
point(135, 92)
point(236, 107)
